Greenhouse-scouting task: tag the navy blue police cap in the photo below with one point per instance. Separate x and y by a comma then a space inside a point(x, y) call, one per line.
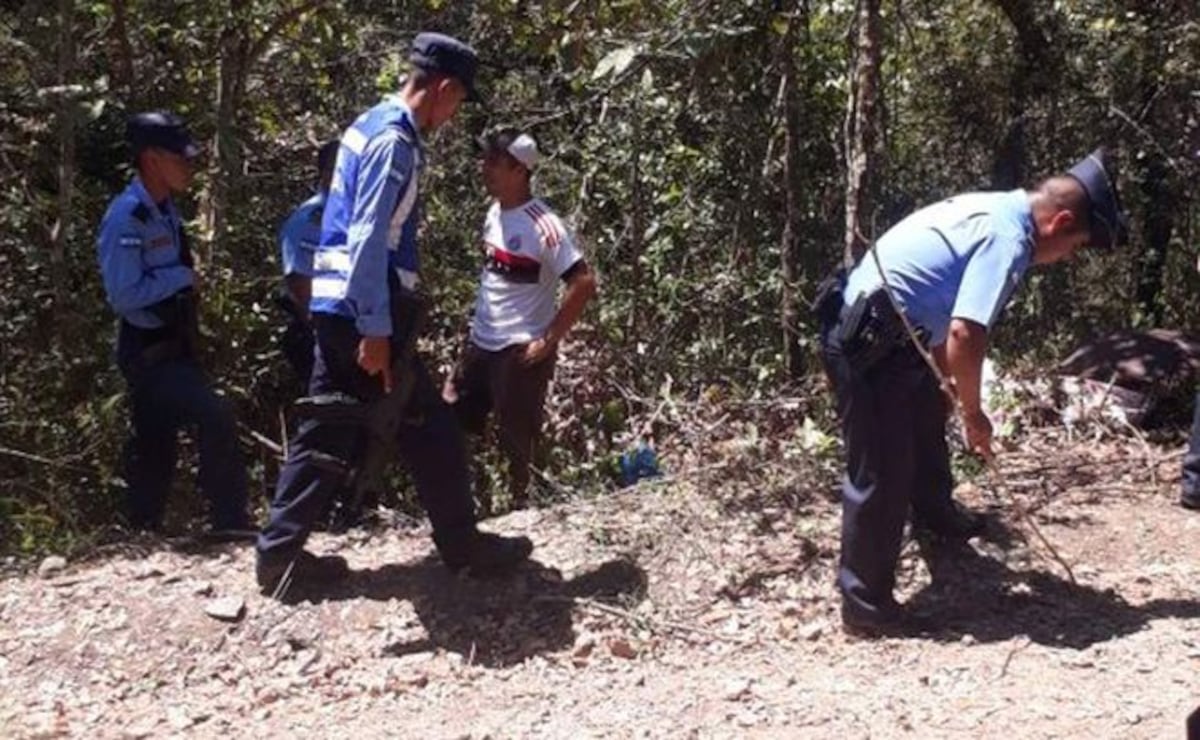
point(160, 130)
point(436, 52)
point(1109, 225)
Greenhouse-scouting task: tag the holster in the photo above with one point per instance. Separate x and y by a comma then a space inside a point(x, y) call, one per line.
point(379, 418)
point(140, 349)
point(870, 329)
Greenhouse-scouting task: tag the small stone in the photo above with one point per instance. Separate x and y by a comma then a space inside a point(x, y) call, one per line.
point(202, 588)
point(178, 719)
point(812, 631)
point(228, 609)
point(51, 565)
point(968, 639)
point(584, 645)
point(736, 689)
point(747, 719)
point(622, 648)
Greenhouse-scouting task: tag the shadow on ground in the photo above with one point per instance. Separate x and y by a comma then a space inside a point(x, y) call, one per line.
point(499, 621)
point(971, 593)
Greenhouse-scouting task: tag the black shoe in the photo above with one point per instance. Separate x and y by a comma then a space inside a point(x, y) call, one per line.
point(1190, 501)
point(956, 523)
point(895, 623)
point(277, 576)
point(485, 554)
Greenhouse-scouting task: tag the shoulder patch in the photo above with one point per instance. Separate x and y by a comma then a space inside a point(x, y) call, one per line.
point(314, 216)
point(141, 213)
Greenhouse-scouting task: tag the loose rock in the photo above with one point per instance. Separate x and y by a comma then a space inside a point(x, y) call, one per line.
point(228, 609)
point(52, 565)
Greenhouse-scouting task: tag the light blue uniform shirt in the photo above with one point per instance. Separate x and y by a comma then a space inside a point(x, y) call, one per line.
point(960, 258)
point(300, 236)
point(139, 251)
point(369, 227)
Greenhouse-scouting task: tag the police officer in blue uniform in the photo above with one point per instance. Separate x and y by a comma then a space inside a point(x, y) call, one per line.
point(148, 276)
point(298, 240)
point(951, 267)
point(366, 260)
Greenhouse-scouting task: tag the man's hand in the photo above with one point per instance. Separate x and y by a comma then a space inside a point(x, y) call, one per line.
point(450, 391)
point(375, 358)
point(538, 350)
point(977, 428)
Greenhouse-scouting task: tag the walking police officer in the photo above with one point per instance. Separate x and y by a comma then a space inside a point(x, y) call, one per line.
point(298, 240)
point(365, 265)
point(951, 267)
point(149, 281)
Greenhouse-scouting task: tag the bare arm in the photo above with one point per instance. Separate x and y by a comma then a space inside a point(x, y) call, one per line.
point(965, 348)
point(581, 288)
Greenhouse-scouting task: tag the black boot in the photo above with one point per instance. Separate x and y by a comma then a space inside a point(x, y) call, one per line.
point(303, 571)
point(482, 554)
point(953, 523)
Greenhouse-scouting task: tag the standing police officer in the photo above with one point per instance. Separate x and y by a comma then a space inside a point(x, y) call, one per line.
point(366, 262)
point(149, 281)
point(298, 240)
point(951, 267)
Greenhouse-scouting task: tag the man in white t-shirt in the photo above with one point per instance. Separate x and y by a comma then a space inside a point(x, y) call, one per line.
point(516, 328)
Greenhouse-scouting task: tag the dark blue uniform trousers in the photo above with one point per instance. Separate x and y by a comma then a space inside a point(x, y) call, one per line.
point(1191, 461)
point(432, 450)
point(164, 397)
point(297, 346)
point(894, 428)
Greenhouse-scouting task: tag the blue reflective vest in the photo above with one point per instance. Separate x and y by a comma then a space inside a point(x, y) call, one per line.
point(369, 227)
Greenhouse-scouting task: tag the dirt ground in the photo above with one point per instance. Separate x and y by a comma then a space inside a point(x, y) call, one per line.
point(691, 607)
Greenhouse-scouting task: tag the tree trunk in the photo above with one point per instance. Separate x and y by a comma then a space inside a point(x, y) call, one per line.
point(223, 154)
point(1035, 73)
point(789, 251)
point(122, 52)
point(60, 233)
point(862, 127)
point(1164, 117)
point(637, 225)
point(238, 52)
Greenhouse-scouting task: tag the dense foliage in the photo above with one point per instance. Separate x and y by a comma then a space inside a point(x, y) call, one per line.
point(668, 130)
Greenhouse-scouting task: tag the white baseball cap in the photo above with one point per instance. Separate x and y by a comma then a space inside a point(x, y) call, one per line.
point(524, 150)
point(519, 146)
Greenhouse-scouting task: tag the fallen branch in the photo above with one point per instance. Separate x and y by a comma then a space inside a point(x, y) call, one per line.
point(636, 619)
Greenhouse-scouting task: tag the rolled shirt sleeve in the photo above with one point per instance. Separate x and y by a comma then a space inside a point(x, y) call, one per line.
point(990, 278)
point(562, 253)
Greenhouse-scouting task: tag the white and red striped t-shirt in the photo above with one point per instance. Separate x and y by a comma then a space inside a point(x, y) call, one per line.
point(528, 250)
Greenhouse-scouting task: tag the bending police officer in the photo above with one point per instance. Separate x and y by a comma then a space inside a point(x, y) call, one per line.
point(951, 267)
point(367, 261)
point(148, 276)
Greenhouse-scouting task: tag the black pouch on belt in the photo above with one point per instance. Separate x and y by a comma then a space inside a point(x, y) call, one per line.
point(870, 330)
